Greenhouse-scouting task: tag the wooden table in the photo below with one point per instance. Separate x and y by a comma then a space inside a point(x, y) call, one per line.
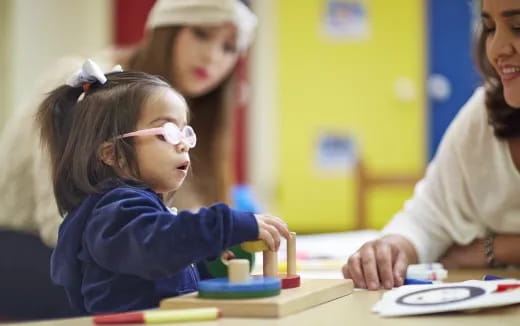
point(355, 309)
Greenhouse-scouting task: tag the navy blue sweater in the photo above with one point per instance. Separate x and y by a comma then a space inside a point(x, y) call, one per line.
point(124, 250)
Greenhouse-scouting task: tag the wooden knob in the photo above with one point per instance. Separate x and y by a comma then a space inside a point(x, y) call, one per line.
point(238, 270)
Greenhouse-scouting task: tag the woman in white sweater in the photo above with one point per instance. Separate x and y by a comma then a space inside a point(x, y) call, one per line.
point(195, 45)
point(465, 212)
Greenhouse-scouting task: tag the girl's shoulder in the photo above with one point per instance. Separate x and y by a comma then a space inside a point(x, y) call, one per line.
point(127, 189)
point(125, 199)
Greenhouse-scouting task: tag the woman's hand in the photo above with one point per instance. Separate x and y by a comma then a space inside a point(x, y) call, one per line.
point(270, 228)
point(465, 256)
point(380, 263)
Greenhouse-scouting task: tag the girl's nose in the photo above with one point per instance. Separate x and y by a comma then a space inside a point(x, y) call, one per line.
point(182, 147)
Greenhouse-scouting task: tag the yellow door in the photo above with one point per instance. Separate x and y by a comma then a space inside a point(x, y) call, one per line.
point(367, 89)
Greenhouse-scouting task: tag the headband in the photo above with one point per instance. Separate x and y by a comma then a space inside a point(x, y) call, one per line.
point(205, 12)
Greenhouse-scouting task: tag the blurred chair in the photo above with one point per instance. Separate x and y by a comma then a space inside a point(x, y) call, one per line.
point(364, 183)
point(26, 290)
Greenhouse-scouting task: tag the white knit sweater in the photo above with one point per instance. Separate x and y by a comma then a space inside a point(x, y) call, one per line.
point(27, 201)
point(471, 187)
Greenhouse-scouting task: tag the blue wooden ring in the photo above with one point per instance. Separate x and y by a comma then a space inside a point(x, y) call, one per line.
point(254, 284)
point(238, 295)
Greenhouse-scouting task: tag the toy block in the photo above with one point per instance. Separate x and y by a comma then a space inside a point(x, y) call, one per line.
point(239, 284)
point(270, 261)
point(238, 271)
point(263, 293)
point(311, 293)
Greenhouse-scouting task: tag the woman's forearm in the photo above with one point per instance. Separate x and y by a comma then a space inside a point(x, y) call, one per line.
point(506, 249)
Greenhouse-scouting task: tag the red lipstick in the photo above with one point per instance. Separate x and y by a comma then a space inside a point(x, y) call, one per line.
point(201, 73)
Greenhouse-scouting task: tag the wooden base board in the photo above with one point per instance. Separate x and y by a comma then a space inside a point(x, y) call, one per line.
point(311, 293)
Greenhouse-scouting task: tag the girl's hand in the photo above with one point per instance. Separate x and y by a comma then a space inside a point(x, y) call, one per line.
point(380, 263)
point(269, 229)
point(469, 256)
point(226, 256)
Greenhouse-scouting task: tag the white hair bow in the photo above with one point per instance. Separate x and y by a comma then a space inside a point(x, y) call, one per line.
point(89, 73)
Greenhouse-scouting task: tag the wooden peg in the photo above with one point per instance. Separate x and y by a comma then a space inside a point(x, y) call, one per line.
point(291, 254)
point(270, 259)
point(238, 270)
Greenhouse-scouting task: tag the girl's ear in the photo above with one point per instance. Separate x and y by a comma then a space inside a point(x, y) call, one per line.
point(106, 152)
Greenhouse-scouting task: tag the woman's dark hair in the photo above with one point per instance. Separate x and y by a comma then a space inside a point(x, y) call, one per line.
point(246, 2)
point(504, 119)
point(73, 131)
point(210, 117)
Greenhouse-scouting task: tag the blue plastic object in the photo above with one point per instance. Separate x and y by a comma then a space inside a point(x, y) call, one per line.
point(244, 200)
point(408, 281)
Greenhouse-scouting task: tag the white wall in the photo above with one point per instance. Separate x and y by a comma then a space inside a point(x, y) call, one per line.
point(263, 115)
point(35, 33)
point(4, 56)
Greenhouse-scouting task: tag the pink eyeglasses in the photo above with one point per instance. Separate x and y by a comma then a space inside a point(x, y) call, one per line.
point(171, 133)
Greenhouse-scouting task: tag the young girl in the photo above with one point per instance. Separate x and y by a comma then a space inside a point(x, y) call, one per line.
point(118, 144)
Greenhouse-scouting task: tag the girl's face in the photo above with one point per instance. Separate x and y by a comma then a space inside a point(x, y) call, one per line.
point(162, 166)
point(501, 23)
point(203, 56)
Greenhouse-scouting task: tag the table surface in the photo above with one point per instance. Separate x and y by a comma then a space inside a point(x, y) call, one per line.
point(355, 309)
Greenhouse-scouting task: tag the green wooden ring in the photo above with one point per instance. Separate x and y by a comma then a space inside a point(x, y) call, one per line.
point(217, 268)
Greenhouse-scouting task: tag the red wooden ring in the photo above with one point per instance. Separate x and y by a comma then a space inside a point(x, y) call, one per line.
point(290, 281)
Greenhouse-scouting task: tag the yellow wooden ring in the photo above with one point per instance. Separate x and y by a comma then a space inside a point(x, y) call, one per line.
point(254, 246)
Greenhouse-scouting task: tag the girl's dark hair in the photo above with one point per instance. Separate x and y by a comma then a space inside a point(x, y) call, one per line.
point(73, 132)
point(210, 117)
point(504, 119)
